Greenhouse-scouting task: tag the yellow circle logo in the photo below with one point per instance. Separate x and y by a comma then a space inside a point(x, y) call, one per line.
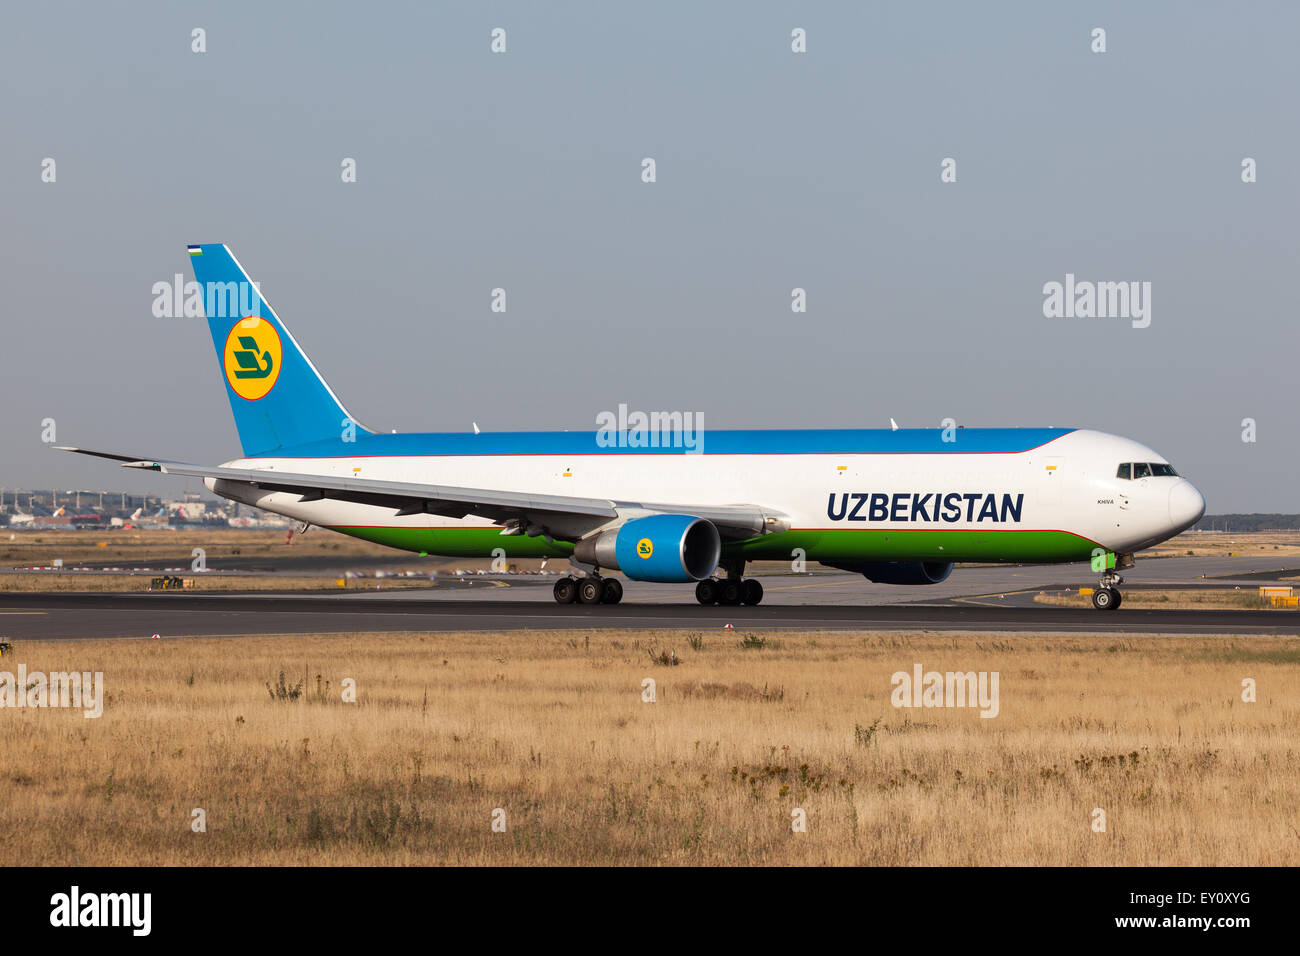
point(252, 357)
point(645, 547)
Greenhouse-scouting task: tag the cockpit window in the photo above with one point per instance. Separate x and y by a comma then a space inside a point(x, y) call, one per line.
point(1151, 469)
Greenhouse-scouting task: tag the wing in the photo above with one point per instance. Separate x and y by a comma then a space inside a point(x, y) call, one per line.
point(566, 517)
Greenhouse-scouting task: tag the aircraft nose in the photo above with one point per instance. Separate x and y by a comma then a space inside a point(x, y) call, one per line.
point(1186, 504)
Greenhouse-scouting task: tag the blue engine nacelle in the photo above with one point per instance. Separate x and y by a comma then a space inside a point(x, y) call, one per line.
point(670, 549)
point(900, 572)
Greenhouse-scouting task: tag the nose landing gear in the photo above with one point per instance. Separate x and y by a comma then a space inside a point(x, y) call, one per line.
point(1107, 597)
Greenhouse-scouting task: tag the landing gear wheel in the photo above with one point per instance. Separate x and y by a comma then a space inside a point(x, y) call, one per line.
point(706, 592)
point(730, 592)
point(751, 592)
point(591, 590)
point(612, 591)
point(566, 591)
point(1105, 599)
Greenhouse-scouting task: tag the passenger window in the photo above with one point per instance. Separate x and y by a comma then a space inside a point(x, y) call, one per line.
point(1125, 471)
point(1141, 470)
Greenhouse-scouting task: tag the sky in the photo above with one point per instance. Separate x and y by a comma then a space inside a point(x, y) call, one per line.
point(774, 170)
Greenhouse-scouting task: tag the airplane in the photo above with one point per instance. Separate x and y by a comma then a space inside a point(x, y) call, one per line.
point(897, 505)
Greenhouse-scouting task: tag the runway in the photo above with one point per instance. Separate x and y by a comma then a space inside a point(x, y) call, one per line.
point(973, 599)
point(52, 617)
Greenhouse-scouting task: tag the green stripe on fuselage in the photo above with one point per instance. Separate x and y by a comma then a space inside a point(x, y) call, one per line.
point(856, 544)
point(879, 544)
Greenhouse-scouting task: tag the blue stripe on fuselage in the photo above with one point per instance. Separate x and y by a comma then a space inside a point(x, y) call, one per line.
point(905, 441)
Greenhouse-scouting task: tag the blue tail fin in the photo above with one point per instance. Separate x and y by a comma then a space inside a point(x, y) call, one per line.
point(278, 398)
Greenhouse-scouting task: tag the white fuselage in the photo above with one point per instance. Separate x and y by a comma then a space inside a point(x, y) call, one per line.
point(1069, 484)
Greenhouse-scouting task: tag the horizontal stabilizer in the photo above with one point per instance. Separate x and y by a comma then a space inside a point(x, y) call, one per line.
point(99, 454)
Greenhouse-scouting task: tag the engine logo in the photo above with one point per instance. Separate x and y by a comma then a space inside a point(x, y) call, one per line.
point(645, 547)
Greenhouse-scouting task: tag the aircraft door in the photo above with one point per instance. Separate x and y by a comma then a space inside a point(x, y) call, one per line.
point(1053, 478)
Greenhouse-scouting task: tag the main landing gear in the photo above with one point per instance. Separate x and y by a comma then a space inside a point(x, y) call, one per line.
point(592, 589)
point(733, 590)
point(729, 592)
point(587, 586)
point(1106, 597)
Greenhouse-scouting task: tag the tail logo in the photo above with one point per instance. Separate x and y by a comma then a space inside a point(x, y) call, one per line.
point(252, 357)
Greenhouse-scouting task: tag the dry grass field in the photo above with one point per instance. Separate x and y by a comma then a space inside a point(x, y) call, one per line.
point(38, 547)
point(161, 548)
point(83, 582)
point(1218, 599)
point(1204, 544)
point(254, 548)
point(551, 728)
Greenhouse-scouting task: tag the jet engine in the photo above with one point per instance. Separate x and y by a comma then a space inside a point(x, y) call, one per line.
point(670, 549)
point(901, 572)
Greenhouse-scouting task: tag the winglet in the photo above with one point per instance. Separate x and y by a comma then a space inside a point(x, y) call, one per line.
point(128, 461)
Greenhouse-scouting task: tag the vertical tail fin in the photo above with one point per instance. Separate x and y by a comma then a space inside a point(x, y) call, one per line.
point(278, 398)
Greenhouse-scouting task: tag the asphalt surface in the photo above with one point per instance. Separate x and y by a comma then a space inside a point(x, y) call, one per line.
point(989, 599)
point(43, 616)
